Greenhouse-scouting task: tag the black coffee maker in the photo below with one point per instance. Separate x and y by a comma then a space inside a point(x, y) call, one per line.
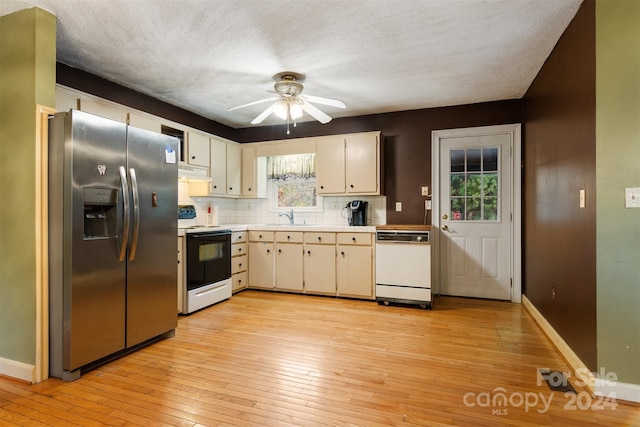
point(357, 211)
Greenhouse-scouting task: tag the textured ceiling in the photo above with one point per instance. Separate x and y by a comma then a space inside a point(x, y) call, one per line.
point(375, 55)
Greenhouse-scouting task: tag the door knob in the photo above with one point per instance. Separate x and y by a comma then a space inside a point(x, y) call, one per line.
point(444, 216)
point(445, 227)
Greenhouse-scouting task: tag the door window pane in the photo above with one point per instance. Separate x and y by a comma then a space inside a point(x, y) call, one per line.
point(475, 184)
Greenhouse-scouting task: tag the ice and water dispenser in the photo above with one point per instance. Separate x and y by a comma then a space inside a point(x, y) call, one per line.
point(100, 215)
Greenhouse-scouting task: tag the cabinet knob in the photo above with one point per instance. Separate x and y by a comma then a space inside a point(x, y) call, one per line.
point(260, 236)
point(322, 187)
point(239, 280)
point(308, 252)
point(342, 253)
point(249, 188)
point(268, 250)
point(319, 238)
point(193, 157)
point(215, 186)
point(240, 265)
point(351, 186)
point(279, 251)
point(239, 249)
point(353, 238)
point(230, 188)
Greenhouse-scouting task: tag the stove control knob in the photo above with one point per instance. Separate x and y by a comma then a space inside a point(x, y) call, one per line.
point(419, 238)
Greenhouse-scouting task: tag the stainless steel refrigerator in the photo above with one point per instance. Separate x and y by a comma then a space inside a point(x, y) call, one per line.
point(113, 192)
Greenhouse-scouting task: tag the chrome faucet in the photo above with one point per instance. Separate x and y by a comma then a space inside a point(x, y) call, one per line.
point(288, 215)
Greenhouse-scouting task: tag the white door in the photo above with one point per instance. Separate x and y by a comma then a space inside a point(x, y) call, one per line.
point(475, 208)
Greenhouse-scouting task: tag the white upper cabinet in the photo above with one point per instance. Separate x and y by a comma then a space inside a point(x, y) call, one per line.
point(218, 167)
point(143, 121)
point(234, 169)
point(102, 108)
point(330, 165)
point(362, 169)
point(349, 164)
point(254, 173)
point(198, 151)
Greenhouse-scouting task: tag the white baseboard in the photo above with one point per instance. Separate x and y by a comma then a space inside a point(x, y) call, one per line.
point(621, 391)
point(18, 370)
point(597, 386)
point(579, 369)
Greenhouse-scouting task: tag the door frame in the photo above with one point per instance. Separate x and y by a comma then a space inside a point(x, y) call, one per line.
point(516, 198)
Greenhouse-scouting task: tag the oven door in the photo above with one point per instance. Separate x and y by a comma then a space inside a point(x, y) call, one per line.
point(208, 258)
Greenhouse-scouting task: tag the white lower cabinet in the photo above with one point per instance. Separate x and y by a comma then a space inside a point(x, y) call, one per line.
point(319, 263)
point(354, 265)
point(261, 259)
point(239, 261)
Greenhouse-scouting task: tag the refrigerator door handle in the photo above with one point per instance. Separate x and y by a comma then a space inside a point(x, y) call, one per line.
point(125, 203)
point(136, 214)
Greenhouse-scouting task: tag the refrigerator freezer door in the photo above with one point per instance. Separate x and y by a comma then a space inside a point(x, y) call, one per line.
point(87, 282)
point(152, 270)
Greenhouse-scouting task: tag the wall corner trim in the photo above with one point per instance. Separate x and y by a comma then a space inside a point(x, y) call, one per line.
point(580, 370)
point(17, 370)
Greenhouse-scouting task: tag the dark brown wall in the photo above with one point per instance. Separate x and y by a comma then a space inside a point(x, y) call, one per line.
point(89, 83)
point(407, 155)
point(560, 159)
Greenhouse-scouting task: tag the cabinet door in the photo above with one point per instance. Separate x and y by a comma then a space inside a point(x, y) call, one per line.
point(65, 99)
point(102, 108)
point(218, 170)
point(320, 269)
point(289, 266)
point(145, 122)
point(354, 271)
point(234, 169)
point(362, 164)
point(249, 171)
point(261, 265)
point(330, 165)
point(198, 149)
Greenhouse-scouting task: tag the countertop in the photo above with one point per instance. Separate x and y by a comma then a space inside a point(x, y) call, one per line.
point(406, 227)
point(282, 227)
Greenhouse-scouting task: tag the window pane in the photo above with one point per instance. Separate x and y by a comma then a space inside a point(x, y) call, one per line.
point(457, 208)
point(292, 194)
point(473, 209)
point(473, 160)
point(474, 184)
point(490, 184)
point(457, 185)
point(490, 159)
point(457, 160)
point(490, 208)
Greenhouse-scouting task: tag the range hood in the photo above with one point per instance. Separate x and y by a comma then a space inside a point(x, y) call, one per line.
point(190, 173)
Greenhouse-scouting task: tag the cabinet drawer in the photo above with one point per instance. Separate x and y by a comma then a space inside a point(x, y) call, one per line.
point(238, 249)
point(261, 236)
point(354, 238)
point(320, 238)
point(288, 237)
point(238, 236)
point(239, 281)
point(238, 264)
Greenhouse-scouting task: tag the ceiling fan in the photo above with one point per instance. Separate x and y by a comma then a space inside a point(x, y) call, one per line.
point(289, 103)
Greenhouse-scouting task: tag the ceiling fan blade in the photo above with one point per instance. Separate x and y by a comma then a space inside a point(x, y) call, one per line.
point(273, 98)
point(315, 113)
point(264, 114)
point(325, 101)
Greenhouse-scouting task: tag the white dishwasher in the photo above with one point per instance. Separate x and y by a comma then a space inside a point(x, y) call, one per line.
point(403, 266)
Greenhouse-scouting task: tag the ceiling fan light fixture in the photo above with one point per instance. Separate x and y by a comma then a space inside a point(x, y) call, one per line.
point(295, 109)
point(282, 109)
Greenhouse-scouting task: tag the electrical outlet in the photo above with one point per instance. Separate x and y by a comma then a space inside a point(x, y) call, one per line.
point(398, 206)
point(425, 191)
point(427, 205)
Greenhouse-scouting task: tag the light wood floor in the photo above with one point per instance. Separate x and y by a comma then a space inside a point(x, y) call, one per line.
point(270, 359)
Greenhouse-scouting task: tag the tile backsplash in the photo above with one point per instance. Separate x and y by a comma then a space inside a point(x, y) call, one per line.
point(258, 211)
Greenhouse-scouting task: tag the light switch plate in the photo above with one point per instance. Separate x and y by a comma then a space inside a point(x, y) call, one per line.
point(398, 206)
point(632, 197)
point(583, 196)
point(425, 191)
